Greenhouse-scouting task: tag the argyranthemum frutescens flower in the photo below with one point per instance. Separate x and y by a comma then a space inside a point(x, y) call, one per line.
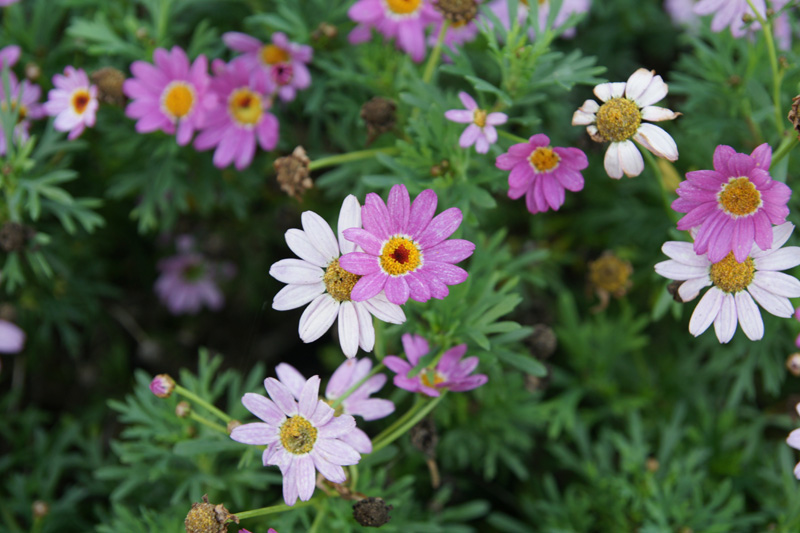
point(619, 119)
point(730, 13)
point(358, 403)
point(73, 102)
point(404, 20)
point(406, 251)
point(734, 285)
point(734, 205)
point(481, 130)
point(302, 436)
point(317, 277)
point(793, 440)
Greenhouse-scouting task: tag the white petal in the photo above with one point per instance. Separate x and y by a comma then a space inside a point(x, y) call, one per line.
point(725, 323)
point(625, 159)
point(657, 114)
point(778, 283)
point(679, 271)
point(300, 244)
point(771, 303)
point(683, 252)
point(348, 329)
point(585, 114)
point(385, 310)
point(780, 259)
point(749, 316)
point(657, 141)
point(655, 92)
point(366, 331)
point(296, 271)
point(690, 288)
point(294, 296)
point(706, 311)
point(612, 162)
point(349, 217)
point(318, 317)
point(320, 235)
point(793, 439)
point(607, 91)
point(592, 130)
point(638, 82)
point(780, 234)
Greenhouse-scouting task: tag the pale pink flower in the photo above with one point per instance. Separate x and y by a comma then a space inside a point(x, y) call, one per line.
point(729, 13)
point(481, 130)
point(12, 338)
point(73, 102)
point(9, 56)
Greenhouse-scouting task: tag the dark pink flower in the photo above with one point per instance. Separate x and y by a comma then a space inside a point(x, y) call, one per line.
point(404, 20)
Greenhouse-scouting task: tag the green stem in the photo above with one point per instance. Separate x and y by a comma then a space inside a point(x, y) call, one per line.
point(350, 156)
point(198, 400)
point(384, 439)
point(786, 146)
point(273, 509)
point(419, 402)
point(338, 401)
point(511, 136)
point(322, 509)
point(433, 59)
point(773, 63)
point(161, 23)
point(208, 423)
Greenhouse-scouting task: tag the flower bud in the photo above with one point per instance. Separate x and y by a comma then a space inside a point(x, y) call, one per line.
point(793, 364)
point(372, 512)
point(379, 116)
point(40, 509)
point(162, 385)
point(183, 409)
point(232, 425)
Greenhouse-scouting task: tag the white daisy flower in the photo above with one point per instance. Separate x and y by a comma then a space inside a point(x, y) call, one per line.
point(317, 278)
point(734, 285)
point(619, 119)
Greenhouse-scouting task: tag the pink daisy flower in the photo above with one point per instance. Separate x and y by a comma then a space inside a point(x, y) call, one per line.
point(4, 3)
point(568, 7)
point(542, 172)
point(729, 13)
point(9, 56)
point(404, 20)
point(358, 404)
point(793, 440)
point(481, 130)
point(451, 373)
point(682, 12)
point(12, 338)
point(246, 96)
point(25, 102)
point(302, 436)
point(171, 95)
point(734, 285)
point(283, 60)
point(73, 102)
point(733, 205)
point(406, 251)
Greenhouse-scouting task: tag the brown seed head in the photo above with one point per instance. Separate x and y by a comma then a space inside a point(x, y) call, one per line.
point(372, 512)
point(109, 85)
point(458, 12)
point(672, 288)
point(293, 174)
point(208, 518)
point(14, 236)
point(379, 116)
point(611, 274)
point(40, 509)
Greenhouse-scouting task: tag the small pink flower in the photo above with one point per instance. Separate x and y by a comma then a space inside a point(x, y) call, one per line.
point(73, 102)
point(734, 205)
point(404, 20)
point(542, 172)
point(25, 101)
point(171, 95)
point(9, 56)
point(243, 116)
point(730, 13)
point(12, 338)
point(481, 130)
point(451, 373)
point(284, 61)
point(162, 385)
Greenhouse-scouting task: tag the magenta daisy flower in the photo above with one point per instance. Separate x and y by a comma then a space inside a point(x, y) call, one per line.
point(284, 61)
point(358, 404)
point(302, 436)
point(451, 373)
point(734, 285)
point(406, 251)
point(730, 13)
point(481, 130)
point(404, 20)
point(9, 56)
point(245, 98)
point(25, 101)
point(733, 205)
point(73, 102)
point(542, 172)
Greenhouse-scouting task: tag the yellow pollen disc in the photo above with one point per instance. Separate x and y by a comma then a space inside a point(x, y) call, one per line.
point(245, 107)
point(80, 99)
point(298, 435)
point(399, 256)
point(271, 54)
point(426, 380)
point(338, 282)
point(618, 119)
point(177, 99)
point(479, 117)
point(544, 159)
point(729, 276)
point(739, 197)
point(403, 7)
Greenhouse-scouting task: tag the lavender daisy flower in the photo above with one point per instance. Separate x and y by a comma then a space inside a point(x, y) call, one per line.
point(25, 100)
point(449, 374)
point(317, 277)
point(245, 117)
point(793, 440)
point(619, 119)
point(406, 251)
point(734, 285)
point(9, 56)
point(4, 3)
point(171, 95)
point(542, 172)
point(12, 338)
point(568, 7)
point(682, 12)
point(301, 436)
point(283, 60)
point(481, 130)
point(358, 404)
point(73, 102)
point(729, 13)
point(404, 20)
point(734, 205)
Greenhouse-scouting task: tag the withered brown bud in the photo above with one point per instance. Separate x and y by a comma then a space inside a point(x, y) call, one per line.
point(293, 174)
point(40, 509)
point(734, 80)
point(183, 409)
point(442, 168)
point(232, 425)
point(208, 518)
point(652, 464)
point(458, 12)
point(371, 512)
point(537, 384)
point(672, 288)
point(794, 114)
point(379, 116)
point(793, 364)
point(543, 341)
point(329, 31)
point(109, 85)
point(15, 236)
point(32, 71)
point(610, 273)
point(424, 436)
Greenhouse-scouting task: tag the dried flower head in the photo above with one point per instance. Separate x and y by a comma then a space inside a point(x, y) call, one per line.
point(208, 518)
point(372, 512)
point(15, 236)
point(424, 436)
point(293, 174)
point(458, 12)
point(326, 30)
point(673, 288)
point(793, 364)
point(794, 114)
point(379, 116)
point(609, 276)
point(109, 83)
point(543, 341)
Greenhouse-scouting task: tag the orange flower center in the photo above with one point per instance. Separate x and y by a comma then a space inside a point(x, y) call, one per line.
point(399, 256)
point(177, 100)
point(403, 7)
point(80, 99)
point(426, 378)
point(245, 107)
point(730, 276)
point(739, 197)
point(544, 159)
point(271, 54)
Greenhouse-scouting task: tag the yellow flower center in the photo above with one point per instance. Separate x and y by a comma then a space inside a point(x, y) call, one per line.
point(479, 117)
point(271, 54)
point(618, 119)
point(739, 197)
point(730, 276)
point(403, 7)
point(245, 107)
point(544, 159)
point(426, 378)
point(298, 435)
point(338, 282)
point(400, 255)
point(177, 100)
point(80, 99)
